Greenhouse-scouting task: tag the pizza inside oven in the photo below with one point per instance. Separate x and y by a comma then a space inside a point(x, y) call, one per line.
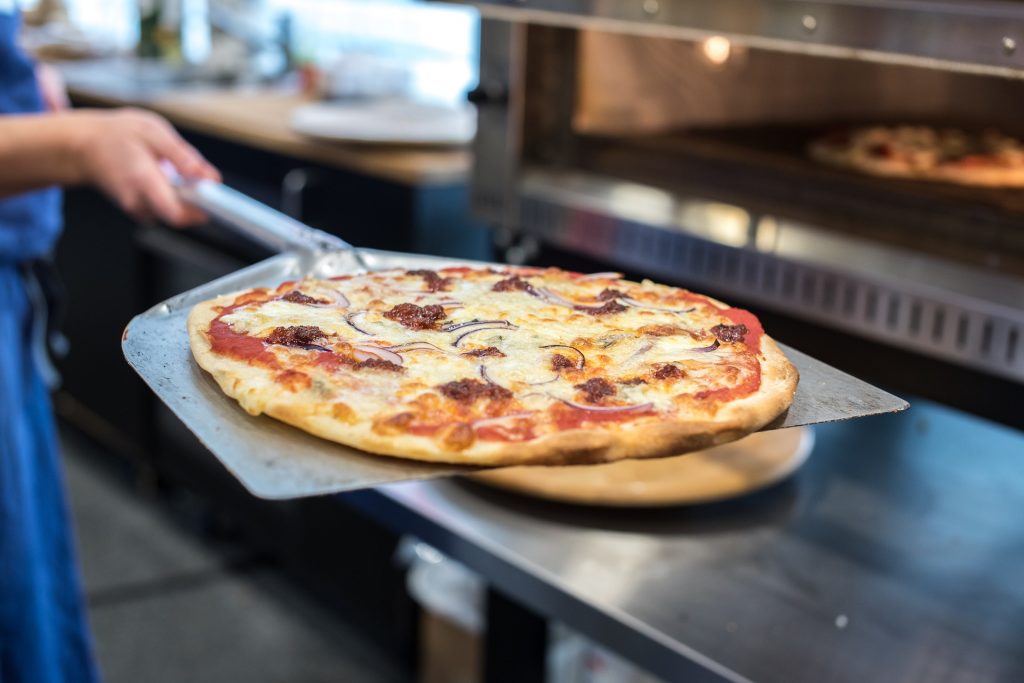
point(986, 158)
point(496, 365)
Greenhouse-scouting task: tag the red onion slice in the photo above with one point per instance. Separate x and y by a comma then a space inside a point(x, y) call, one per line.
point(486, 377)
point(640, 304)
point(581, 361)
point(641, 351)
point(348, 320)
point(547, 381)
point(313, 347)
point(705, 349)
point(601, 276)
point(635, 408)
point(474, 330)
point(459, 326)
point(416, 346)
point(550, 296)
point(335, 298)
point(367, 351)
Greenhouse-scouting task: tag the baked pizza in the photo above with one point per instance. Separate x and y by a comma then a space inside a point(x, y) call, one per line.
point(496, 366)
point(988, 158)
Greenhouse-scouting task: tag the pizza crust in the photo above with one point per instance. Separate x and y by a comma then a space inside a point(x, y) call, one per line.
point(651, 437)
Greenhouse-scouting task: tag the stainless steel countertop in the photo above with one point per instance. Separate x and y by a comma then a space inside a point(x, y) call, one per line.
point(895, 554)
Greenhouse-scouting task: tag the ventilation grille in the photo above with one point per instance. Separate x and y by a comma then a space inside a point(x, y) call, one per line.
point(964, 332)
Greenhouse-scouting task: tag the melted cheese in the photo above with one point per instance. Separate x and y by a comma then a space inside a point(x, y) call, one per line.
point(613, 345)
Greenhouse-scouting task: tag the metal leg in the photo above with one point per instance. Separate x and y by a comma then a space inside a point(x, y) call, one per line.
point(515, 645)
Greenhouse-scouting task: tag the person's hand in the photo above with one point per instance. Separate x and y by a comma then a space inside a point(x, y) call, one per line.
point(51, 88)
point(121, 152)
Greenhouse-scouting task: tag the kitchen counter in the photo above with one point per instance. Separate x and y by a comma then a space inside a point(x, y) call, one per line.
point(894, 554)
point(256, 117)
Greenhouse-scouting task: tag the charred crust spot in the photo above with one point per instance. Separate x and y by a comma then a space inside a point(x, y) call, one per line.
point(513, 284)
point(297, 297)
point(299, 335)
point(609, 307)
point(669, 372)
point(470, 390)
point(610, 295)
point(432, 281)
point(560, 362)
point(417, 317)
point(596, 389)
point(377, 364)
point(483, 353)
point(729, 333)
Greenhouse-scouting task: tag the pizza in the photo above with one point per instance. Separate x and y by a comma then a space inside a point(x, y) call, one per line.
point(988, 158)
point(495, 366)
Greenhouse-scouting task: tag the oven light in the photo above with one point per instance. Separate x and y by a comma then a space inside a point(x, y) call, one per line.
point(716, 49)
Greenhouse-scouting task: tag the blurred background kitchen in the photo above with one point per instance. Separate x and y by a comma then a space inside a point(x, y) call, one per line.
point(598, 137)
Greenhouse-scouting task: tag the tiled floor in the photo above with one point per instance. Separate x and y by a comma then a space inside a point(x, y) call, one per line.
point(167, 607)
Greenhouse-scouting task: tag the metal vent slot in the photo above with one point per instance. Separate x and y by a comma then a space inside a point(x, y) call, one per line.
point(986, 339)
point(959, 329)
point(915, 319)
point(938, 325)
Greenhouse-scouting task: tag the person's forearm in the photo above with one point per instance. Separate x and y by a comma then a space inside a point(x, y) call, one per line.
point(119, 152)
point(39, 150)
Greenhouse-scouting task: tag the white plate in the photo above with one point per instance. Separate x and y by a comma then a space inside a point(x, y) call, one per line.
point(386, 122)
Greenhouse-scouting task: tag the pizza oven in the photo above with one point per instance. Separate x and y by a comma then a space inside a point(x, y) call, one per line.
point(668, 138)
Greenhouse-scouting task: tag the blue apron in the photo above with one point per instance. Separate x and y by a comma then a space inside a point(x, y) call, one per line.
point(43, 636)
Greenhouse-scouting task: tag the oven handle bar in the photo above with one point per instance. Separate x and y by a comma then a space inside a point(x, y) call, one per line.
point(255, 219)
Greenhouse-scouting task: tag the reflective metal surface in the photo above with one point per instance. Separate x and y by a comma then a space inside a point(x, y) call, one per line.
point(270, 458)
point(910, 299)
point(256, 220)
point(894, 554)
point(966, 35)
point(274, 460)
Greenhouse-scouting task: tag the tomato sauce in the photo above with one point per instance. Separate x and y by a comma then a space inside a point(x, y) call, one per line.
point(512, 430)
point(424, 429)
point(567, 417)
point(331, 362)
point(748, 386)
point(226, 342)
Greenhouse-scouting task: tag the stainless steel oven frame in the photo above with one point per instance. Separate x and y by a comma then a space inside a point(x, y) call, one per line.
point(526, 187)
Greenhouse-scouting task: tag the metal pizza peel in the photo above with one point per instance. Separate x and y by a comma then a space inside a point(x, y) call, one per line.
point(276, 461)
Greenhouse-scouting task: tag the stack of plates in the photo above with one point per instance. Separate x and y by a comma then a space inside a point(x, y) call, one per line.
point(391, 122)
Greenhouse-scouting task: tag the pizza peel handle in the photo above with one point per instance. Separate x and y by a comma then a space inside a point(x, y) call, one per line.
point(255, 219)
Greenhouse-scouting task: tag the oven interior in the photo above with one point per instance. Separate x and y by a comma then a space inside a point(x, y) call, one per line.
point(686, 160)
